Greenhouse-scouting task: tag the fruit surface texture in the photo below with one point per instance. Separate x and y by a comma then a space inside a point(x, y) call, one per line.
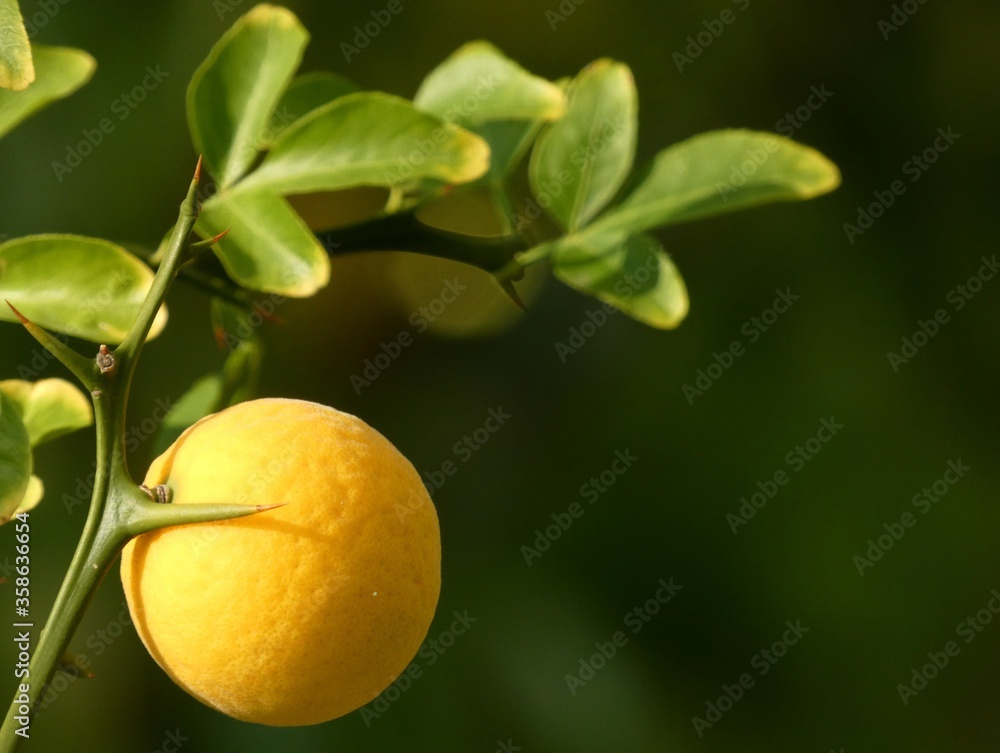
point(299, 614)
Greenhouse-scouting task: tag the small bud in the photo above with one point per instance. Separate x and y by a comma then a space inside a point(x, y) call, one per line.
point(105, 360)
point(161, 494)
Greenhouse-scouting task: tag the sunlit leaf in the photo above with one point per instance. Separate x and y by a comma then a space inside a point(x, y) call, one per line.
point(368, 139)
point(49, 408)
point(719, 172)
point(478, 83)
point(84, 287)
point(59, 71)
point(633, 274)
point(16, 68)
point(15, 458)
point(581, 161)
point(234, 91)
point(268, 247)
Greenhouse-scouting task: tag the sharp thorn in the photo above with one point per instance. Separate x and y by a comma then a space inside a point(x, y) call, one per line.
point(511, 291)
point(209, 242)
point(265, 508)
point(18, 314)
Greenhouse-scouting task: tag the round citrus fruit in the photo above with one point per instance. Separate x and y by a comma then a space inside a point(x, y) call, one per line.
point(299, 614)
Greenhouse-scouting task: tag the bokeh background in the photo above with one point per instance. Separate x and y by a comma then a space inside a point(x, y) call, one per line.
point(503, 681)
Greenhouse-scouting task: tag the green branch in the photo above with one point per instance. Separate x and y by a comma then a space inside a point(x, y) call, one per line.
point(119, 509)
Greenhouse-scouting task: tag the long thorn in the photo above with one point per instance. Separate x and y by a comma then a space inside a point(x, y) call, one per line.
point(150, 516)
point(82, 368)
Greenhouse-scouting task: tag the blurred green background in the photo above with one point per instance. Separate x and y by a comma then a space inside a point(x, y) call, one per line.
point(665, 517)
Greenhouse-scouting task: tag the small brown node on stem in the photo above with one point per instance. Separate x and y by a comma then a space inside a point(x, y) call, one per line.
point(105, 360)
point(161, 494)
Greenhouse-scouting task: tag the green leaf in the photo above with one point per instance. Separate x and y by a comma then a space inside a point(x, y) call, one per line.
point(478, 83)
point(201, 399)
point(368, 139)
point(211, 394)
point(84, 287)
point(15, 458)
point(59, 71)
point(241, 371)
point(49, 408)
point(633, 274)
point(581, 161)
point(304, 95)
point(718, 172)
point(268, 247)
point(233, 93)
point(16, 69)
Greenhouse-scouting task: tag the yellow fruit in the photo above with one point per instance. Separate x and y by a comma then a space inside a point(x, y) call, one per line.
point(295, 615)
